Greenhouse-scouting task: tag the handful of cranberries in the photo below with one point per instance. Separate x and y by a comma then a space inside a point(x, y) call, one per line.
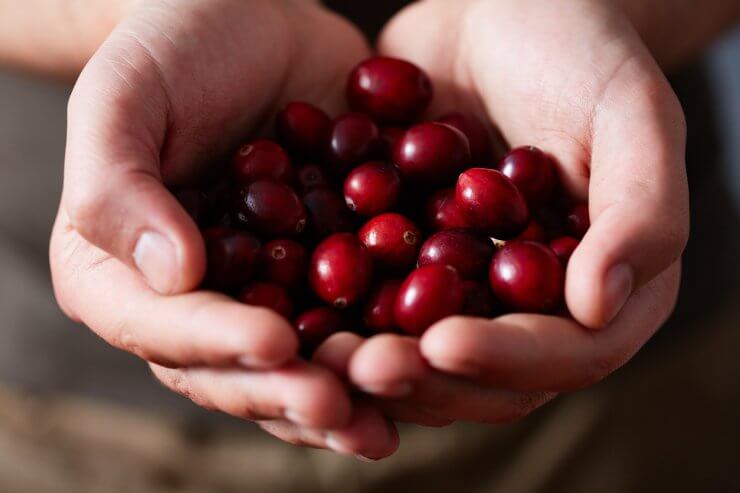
point(377, 222)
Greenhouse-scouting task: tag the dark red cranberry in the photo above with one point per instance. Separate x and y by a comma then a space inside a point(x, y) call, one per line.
point(220, 200)
point(378, 313)
point(527, 277)
point(273, 208)
point(283, 262)
point(532, 171)
point(577, 221)
point(317, 325)
point(303, 129)
point(259, 160)
point(475, 131)
point(388, 89)
point(268, 295)
point(393, 241)
point(468, 251)
point(443, 212)
point(492, 203)
point(231, 257)
point(389, 137)
point(431, 153)
point(429, 294)
point(479, 300)
point(311, 176)
point(194, 203)
point(534, 232)
point(341, 270)
point(328, 212)
point(372, 188)
point(564, 247)
point(353, 138)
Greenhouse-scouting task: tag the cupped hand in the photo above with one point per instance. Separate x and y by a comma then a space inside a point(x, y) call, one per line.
point(573, 78)
point(176, 84)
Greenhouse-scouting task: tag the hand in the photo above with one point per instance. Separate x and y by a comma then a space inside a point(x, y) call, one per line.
point(573, 78)
point(175, 84)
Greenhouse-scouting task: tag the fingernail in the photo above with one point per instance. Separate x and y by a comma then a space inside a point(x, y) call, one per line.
point(398, 389)
point(297, 418)
point(156, 259)
point(336, 445)
point(366, 459)
point(619, 281)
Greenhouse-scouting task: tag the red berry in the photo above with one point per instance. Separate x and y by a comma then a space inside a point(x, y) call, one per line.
point(467, 251)
point(393, 241)
point(194, 203)
point(532, 172)
point(283, 262)
point(389, 137)
point(259, 160)
point(272, 208)
point(577, 221)
point(479, 300)
point(231, 257)
point(564, 247)
point(527, 276)
point(341, 270)
point(534, 232)
point(443, 212)
point(389, 90)
point(428, 294)
point(431, 153)
point(353, 138)
point(372, 188)
point(328, 212)
point(492, 203)
point(311, 176)
point(475, 131)
point(378, 313)
point(268, 295)
point(317, 325)
point(303, 128)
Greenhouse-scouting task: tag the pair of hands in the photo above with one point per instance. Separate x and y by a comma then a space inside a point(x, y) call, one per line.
point(177, 83)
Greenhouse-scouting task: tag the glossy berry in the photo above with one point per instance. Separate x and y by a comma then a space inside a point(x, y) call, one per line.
point(467, 251)
point(194, 203)
point(231, 257)
point(259, 160)
point(479, 300)
point(327, 211)
point(527, 277)
point(303, 129)
point(283, 262)
point(393, 241)
point(372, 188)
point(443, 212)
point(311, 176)
point(388, 89)
point(429, 294)
point(273, 208)
point(431, 153)
point(532, 171)
point(577, 221)
point(564, 247)
point(492, 203)
point(534, 232)
point(340, 271)
point(378, 312)
point(353, 139)
point(475, 131)
point(317, 325)
point(389, 137)
point(268, 295)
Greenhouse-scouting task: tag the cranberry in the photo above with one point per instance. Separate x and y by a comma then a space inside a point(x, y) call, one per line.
point(353, 138)
point(328, 212)
point(231, 257)
point(311, 176)
point(341, 270)
point(261, 159)
point(268, 295)
point(527, 276)
point(220, 198)
point(388, 89)
point(532, 171)
point(272, 208)
point(431, 153)
point(283, 262)
point(378, 313)
point(479, 300)
point(534, 232)
point(564, 247)
point(475, 131)
point(393, 241)
point(577, 221)
point(303, 128)
point(372, 188)
point(492, 202)
point(443, 212)
point(468, 251)
point(316, 325)
point(194, 203)
point(389, 137)
point(429, 294)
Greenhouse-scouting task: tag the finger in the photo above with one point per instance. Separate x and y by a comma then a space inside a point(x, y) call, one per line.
point(300, 392)
point(536, 352)
point(403, 412)
point(392, 377)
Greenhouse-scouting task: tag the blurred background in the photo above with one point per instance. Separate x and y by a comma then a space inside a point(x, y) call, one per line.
point(78, 416)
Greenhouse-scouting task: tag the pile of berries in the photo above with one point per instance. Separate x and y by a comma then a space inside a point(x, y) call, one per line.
point(378, 222)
